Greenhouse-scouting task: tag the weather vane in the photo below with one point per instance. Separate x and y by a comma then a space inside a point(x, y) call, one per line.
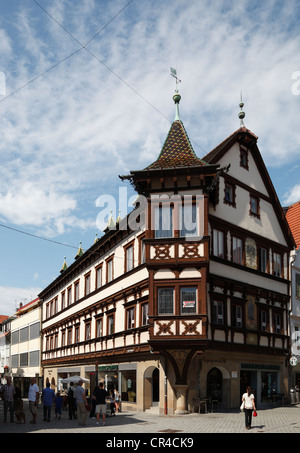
point(174, 74)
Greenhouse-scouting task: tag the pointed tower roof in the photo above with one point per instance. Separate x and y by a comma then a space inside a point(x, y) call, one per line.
point(177, 150)
point(79, 252)
point(64, 266)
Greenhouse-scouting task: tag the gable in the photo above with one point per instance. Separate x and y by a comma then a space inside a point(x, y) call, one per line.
point(251, 181)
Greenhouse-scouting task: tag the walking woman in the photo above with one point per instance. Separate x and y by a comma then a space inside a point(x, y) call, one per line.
point(249, 406)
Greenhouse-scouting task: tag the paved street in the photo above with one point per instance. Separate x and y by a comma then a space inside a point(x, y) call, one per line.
point(274, 420)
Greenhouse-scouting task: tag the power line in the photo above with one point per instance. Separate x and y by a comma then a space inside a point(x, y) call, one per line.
point(37, 237)
point(40, 75)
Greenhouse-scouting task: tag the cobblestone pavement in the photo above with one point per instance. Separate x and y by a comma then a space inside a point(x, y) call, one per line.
point(274, 420)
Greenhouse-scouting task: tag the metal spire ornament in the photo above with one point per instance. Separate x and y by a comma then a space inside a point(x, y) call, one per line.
point(176, 97)
point(242, 113)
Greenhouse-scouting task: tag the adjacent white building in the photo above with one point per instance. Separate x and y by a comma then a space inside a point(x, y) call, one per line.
point(26, 346)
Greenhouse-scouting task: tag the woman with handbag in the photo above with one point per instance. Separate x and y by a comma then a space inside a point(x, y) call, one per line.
point(248, 402)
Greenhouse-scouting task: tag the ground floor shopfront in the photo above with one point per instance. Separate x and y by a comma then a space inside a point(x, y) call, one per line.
point(212, 376)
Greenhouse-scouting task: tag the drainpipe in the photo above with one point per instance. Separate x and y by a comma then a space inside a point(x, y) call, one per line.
point(166, 387)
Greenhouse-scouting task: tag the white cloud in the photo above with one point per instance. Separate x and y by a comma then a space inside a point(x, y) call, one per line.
point(72, 129)
point(292, 196)
point(11, 298)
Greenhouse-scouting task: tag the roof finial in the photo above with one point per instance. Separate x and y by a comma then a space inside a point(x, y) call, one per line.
point(64, 266)
point(176, 97)
point(242, 113)
point(79, 252)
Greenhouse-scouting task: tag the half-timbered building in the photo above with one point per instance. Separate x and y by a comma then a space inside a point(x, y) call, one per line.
point(187, 302)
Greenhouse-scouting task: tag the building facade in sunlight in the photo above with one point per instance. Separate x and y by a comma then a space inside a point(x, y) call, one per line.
point(186, 301)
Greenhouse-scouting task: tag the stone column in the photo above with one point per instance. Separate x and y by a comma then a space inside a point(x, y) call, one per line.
point(181, 390)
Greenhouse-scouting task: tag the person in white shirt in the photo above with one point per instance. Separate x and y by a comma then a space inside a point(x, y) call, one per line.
point(33, 398)
point(249, 406)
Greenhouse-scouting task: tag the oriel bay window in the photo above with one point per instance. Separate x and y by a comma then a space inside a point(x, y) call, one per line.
point(179, 300)
point(189, 221)
point(188, 300)
point(178, 217)
point(165, 301)
point(163, 221)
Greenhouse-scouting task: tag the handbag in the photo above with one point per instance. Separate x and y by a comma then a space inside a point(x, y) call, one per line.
point(242, 406)
point(254, 414)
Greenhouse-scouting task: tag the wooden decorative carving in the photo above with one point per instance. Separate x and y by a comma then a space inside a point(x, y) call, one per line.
point(190, 251)
point(191, 327)
point(162, 252)
point(164, 328)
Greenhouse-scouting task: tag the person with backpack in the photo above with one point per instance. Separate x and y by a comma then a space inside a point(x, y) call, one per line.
point(71, 401)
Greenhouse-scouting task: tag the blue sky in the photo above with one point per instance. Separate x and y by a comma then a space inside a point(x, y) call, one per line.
point(88, 96)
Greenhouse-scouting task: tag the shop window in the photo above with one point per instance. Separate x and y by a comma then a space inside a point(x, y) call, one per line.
point(128, 385)
point(165, 301)
point(188, 300)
